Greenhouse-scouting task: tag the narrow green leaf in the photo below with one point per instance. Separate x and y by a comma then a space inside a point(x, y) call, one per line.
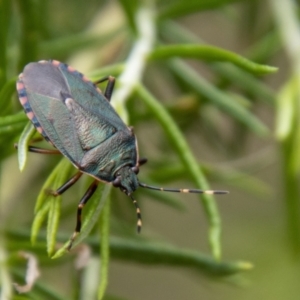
point(93, 210)
point(77, 41)
point(61, 176)
point(63, 167)
point(47, 204)
point(266, 46)
point(43, 196)
point(295, 155)
point(6, 282)
point(181, 147)
point(291, 196)
point(181, 8)
point(156, 253)
point(89, 276)
point(29, 17)
point(5, 17)
point(12, 125)
point(130, 9)
point(5, 95)
point(217, 97)
point(210, 53)
point(39, 219)
point(25, 138)
point(286, 114)
point(11, 130)
point(52, 225)
point(19, 117)
point(250, 84)
point(176, 33)
point(104, 248)
point(287, 121)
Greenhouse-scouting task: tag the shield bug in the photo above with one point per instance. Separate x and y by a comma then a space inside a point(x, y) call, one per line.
point(73, 115)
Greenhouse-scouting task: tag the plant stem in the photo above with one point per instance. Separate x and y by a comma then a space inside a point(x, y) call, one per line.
point(288, 25)
point(136, 61)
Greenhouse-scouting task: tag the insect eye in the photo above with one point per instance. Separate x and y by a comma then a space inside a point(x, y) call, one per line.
point(135, 169)
point(117, 182)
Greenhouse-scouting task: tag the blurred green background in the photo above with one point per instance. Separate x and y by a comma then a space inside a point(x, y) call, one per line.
point(198, 81)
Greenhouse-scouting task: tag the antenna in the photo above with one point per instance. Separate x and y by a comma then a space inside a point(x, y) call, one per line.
point(138, 214)
point(195, 191)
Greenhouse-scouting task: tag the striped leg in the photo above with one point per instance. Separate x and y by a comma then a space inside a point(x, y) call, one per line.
point(88, 194)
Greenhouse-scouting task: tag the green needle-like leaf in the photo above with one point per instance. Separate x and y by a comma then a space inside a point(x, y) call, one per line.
point(5, 95)
point(209, 53)
point(217, 97)
point(104, 249)
point(93, 210)
point(12, 124)
point(155, 253)
point(52, 225)
point(39, 218)
point(181, 147)
point(56, 179)
point(24, 140)
point(181, 8)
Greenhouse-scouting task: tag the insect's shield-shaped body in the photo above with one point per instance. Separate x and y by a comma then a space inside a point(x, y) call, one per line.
point(76, 118)
point(72, 113)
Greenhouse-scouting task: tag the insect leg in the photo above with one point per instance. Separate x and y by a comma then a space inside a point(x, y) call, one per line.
point(39, 150)
point(101, 80)
point(142, 161)
point(88, 194)
point(66, 185)
point(110, 86)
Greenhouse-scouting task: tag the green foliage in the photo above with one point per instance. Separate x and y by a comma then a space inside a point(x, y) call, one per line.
point(190, 102)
